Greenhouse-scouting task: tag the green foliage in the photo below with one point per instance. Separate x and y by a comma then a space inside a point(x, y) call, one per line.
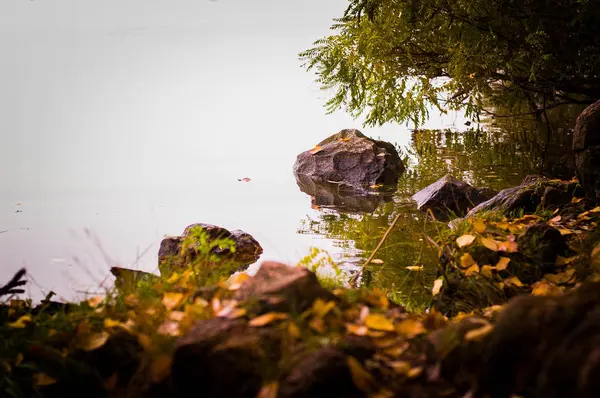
point(320, 262)
point(393, 60)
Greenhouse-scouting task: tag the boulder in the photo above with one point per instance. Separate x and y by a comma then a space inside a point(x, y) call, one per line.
point(341, 197)
point(586, 147)
point(171, 256)
point(450, 196)
point(352, 159)
point(533, 192)
point(280, 287)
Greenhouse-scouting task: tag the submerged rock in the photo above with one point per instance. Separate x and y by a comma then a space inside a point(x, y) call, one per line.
point(351, 158)
point(341, 197)
point(450, 196)
point(527, 197)
point(586, 146)
point(172, 255)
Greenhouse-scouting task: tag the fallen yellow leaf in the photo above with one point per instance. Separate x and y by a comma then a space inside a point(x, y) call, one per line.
point(379, 322)
point(562, 277)
point(169, 328)
point(267, 318)
point(111, 323)
point(294, 330)
point(415, 268)
point(21, 322)
point(467, 260)
point(171, 300)
point(437, 286)
point(479, 226)
point(564, 231)
point(316, 149)
point(486, 271)
point(513, 280)
point(465, 240)
point(546, 288)
point(490, 244)
point(410, 328)
point(95, 301)
point(320, 307)
point(473, 269)
point(358, 330)
point(502, 263)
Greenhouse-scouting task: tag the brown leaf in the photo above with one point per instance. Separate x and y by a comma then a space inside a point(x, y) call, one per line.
point(362, 379)
point(379, 322)
point(437, 286)
point(160, 368)
point(269, 390)
point(465, 240)
point(502, 263)
point(267, 318)
point(513, 280)
point(42, 379)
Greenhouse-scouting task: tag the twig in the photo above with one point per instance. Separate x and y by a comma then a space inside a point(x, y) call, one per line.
point(15, 282)
point(355, 277)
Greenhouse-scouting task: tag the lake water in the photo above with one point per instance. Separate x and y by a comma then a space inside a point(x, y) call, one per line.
point(127, 121)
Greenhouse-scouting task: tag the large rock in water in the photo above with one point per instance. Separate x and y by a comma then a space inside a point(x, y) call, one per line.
point(449, 196)
point(351, 158)
point(586, 146)
point(534, 191)
point(171, 256)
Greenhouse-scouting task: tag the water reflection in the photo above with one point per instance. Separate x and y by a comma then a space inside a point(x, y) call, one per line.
point(497, 156)
point(341, 197)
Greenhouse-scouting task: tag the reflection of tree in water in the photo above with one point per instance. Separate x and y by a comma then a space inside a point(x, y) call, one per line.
point(498, 157)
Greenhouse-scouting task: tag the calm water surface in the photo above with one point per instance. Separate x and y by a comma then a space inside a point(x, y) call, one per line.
point(128, 122)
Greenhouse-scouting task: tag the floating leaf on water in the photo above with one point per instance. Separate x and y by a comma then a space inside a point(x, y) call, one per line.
point(358, 330)
point(437, 286)
point(415, 268)
point(362, 379)
point(267, 318)
point(160, 368)
point(465, 240)
point(478, 334)
point(377, 261)
point(93, 341)
point(171, 300)
point(490, 244)
point(42, 379)
point(245, 179)
point(513, 280)
point(95, 301)
point(546, 288)
point(21, 322)
point(410, 328)
point(379, 322)
point(502, 263)
point(467, 261)
point(269, 390)
point(316, 149)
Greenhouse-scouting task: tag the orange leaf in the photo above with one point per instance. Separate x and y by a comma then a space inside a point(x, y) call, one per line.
point(545, 288)
point(502, 263)
point(358, 330)
point(465, 240)
point(42, 379)
point(93, 341)
point(410, 328)
point(362, 379)
point(269, 390)
point(490, 244)
point(467, 260)
point(316, 149)
point(171, 300)
point(160, 368)
point(265, 319)
point(437, 286)
point(379, 322)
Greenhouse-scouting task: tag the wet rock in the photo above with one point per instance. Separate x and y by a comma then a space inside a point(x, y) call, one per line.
point(530, 195)
point(342, 197)
point(586, 147)
point(170, 256)
point(280, 287)
point(323, 373)
point(224, 358)
point(351, 158)
point(450, 196)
